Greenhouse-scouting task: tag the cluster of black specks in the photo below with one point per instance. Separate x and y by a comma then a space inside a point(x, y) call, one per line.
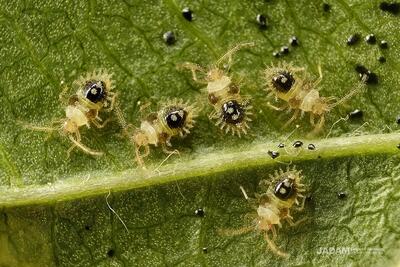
point(372, 78)
point(384, 44)
point(281, 145)
point(353, 39)
point(326, 7)
point(341, 195)
point(393, 8)
point(199, 212)
point(297, 144)
point(262, 21)
point(356, 114)
point(187, 14)
point(284, 50)
point(273, 154)
point(169, 38)
point(311, 147)
point(111, 253)
point(293, 41)
point(370, 39)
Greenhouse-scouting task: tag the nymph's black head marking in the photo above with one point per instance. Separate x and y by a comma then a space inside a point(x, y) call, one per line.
point(175, 117)
point(283, 81)
point(232, 112)
point(95, 91)
point(284, 189)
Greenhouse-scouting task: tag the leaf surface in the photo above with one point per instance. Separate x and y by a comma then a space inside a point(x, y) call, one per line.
point(56, 211)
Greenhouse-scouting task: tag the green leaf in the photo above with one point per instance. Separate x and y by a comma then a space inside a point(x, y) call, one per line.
point(59, 211)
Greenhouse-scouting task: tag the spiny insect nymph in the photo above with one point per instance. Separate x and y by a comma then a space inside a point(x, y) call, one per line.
point(231, 110)
point(280, 195)
point(174, 118)
point(294, 86)
point(93, 93)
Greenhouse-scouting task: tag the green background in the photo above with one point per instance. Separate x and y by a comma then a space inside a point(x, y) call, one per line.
point(53, 209)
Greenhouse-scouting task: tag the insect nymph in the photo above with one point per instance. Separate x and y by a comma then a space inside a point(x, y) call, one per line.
point(294, 86)
point(282, 194)
point(231, 110)
point(174, 118)
point(93, 94)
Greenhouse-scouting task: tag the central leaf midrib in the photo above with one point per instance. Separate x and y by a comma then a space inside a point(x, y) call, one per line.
point(255, 155)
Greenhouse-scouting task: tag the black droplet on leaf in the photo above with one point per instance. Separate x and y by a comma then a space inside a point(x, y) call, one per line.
point(311, 147)
point(284, 50)
point(356, 114)
point(281, 145)
point(262, 21)
point(293, 41)
point(111, 253)
point(353, 39)
point(384, 44)
point(326, 7)
point(372, 78)
point(361, 69)
point(398, 120)
point(341, 195)
point(187, 14)
point(370, 39)
point(169, 38)
point(398, 146)
point(393, 8)
point(382, 59)
point(273, 154)
point(199, 212)
point(297, 144)
point(205, 250)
